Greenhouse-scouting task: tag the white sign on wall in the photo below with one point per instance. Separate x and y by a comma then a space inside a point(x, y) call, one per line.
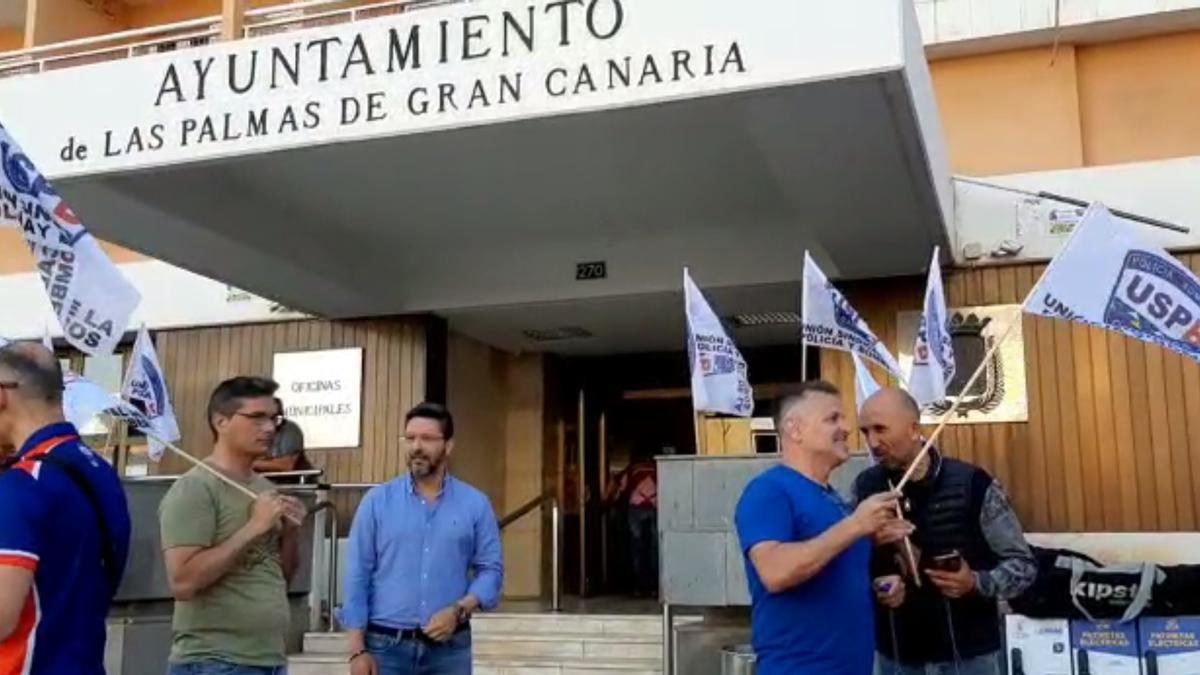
point(322, 392)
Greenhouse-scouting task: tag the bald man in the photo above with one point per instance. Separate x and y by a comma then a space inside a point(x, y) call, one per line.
point(64, 526)
point(970, 547)
point(807, 554)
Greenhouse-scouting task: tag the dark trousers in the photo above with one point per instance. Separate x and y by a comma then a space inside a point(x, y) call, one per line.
point(643, 548)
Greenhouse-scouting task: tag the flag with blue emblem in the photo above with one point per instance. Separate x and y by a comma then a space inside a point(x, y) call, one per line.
point(146, 390)
point(829, 321)
point(933, 354)
point(720, 379)
point(92, 299)
point(1107, 275)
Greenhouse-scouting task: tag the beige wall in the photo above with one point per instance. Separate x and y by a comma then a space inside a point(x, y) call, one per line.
point(164, 12)
point(15, 257)
point(1140, 99)
point(476, 394)
point(11, 39)
point(50, 21)
point(1086, 105)
point(498, 403)
point(1010, 112)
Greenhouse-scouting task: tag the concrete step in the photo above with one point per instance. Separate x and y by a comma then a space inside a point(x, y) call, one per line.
point(506, 625)
point(556, 645)
point(328, 664)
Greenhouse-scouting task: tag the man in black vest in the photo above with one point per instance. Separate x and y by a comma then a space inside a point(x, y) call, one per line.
point(970, 548)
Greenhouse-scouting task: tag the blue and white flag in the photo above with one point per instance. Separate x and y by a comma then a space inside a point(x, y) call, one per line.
point(933, 354)
point(84, 400)
point(28, 202)
point(91, 298)
point(830, 321)
point(720, 379)
point(865, 385)
point(1108, 276)
point(146, 390)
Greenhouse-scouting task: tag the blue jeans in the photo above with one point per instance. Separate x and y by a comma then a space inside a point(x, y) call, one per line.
point(222, 668)
point(394, 656)
point(988, 664)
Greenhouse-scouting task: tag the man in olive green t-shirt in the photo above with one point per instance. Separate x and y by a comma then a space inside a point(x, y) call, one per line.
point(229, 558)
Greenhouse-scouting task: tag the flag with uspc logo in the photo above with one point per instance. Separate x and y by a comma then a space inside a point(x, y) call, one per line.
point(146, 390)
point(720, 379)
point(1107, 275)
point(90, 296)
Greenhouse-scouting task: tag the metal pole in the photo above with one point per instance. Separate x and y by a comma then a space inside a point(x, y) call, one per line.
point(332, 590)
point(319, 564)
point(555, 558)
point(1042, 194)
point(668, 639)
point(582, 496)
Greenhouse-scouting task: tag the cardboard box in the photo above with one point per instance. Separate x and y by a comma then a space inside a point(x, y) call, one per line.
point(1170, 646)
point(1038, 646)
point(1111, 648)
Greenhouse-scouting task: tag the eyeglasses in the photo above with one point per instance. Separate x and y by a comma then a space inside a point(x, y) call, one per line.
point(10, 385)
point(263, 419)
point(423, 439)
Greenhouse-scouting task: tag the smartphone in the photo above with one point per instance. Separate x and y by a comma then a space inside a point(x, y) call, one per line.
point(947, 562)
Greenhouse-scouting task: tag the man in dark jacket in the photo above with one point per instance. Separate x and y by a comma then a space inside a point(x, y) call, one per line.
point(969, 546)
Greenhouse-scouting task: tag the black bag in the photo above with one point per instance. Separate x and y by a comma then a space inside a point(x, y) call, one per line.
point(1071, 585)
point(1179, 592)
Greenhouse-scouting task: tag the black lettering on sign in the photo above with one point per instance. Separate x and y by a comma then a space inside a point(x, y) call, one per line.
point(591, 271)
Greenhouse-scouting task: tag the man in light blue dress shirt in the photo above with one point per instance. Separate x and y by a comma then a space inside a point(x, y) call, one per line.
point(424, 554)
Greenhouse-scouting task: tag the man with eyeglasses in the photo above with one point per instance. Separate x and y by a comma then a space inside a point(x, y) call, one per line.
point(229, 559)
point(424, 554)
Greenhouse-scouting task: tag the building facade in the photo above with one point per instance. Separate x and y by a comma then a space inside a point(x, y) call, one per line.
point(494, 200)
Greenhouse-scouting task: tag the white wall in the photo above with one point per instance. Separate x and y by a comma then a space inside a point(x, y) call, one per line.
point(1163, 189)
point(171, 298)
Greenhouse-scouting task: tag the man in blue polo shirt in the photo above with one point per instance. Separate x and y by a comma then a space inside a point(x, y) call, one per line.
point(64, 527)
point(807, 555)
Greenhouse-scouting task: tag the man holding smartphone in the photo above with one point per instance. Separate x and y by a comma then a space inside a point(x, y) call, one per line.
point(969, 546)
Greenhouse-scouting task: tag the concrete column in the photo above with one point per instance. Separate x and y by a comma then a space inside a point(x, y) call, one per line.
point(233, 19)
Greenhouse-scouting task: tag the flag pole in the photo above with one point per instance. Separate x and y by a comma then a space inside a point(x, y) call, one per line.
point(966, 387)
point(804, 320)
point(986, 357)
point(209, 468)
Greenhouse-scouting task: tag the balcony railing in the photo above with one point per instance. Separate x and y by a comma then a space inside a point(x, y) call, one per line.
point(197, 33)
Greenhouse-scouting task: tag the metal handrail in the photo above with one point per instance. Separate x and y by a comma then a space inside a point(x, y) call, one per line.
point(298, 15)
point(555, 539)
point(62, 54)
point(526, 508)
point(331, 535)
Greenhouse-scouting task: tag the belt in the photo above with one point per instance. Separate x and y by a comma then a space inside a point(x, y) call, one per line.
point(409, 633)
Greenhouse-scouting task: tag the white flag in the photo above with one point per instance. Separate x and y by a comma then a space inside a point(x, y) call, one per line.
point(720, 380)
point(933, 354)
point(27, 201)
point(91, 298)
point(146, 390)
point(1107, 276)
point(83, 400)
point(830, 321)
point(865, 385)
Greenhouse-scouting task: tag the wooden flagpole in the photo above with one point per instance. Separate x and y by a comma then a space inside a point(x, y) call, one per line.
point(209, 468)
point(967, 387)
